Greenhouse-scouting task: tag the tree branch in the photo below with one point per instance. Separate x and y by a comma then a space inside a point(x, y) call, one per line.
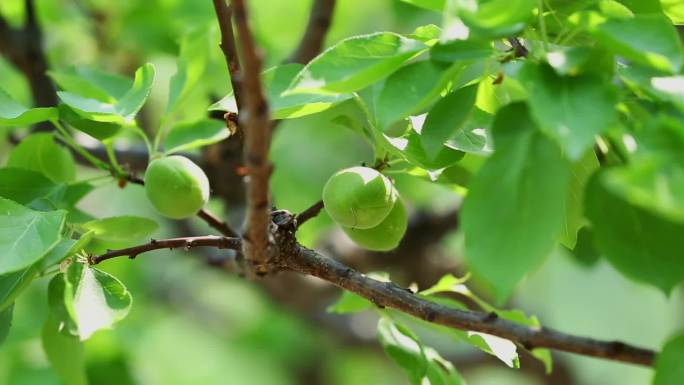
point(310, 213)
point(224, 15)
point(388, 294)
point(312, 41)
point(256, 125)
point(173, 243)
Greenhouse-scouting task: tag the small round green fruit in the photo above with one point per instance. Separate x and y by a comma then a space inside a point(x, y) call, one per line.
point(358, 197)
point(385, 236)
point(176, 187)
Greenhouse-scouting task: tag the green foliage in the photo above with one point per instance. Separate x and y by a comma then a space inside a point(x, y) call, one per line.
point(510, 232)
point(669, 369)
point(574, 140)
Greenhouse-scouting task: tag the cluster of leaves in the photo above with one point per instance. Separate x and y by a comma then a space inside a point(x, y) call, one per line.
point(579, 132)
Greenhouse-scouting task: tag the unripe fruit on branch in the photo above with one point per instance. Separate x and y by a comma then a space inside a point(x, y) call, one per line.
point(385, 236)
point(359, 197)
point(176, 187)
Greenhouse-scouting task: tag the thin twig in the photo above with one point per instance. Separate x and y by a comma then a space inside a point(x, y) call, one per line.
point(317, 28)
point(224, 15)
point(213, 221)
point(255, 123)
point(173, 243)
point(310, 213)
point(519, 50)
point(388, 294)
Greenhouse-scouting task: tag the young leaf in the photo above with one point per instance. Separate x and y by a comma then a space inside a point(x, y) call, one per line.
point(650, 40)
point(98, 130)
point(98, 300)
point(572, 110)
point(123, 229)
point(355, 63)
point(668, 366)
point(514, 207)
point(5, 322)
point(411, 89)
point(92, 83)
point(189, 136)
point(122, 111)
point(13, 113)
point(40, 153)
point(446, 117)
point(26, 235)
point(641, 245)
point(503, 349)
point(64, 352)
point(433, 5)
point(474, 137)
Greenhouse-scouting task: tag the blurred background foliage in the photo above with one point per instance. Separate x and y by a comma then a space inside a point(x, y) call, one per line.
point(195, 325)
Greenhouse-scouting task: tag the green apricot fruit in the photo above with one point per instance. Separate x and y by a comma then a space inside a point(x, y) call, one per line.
point(176, 187)
point(358, 197)
point(385, 236)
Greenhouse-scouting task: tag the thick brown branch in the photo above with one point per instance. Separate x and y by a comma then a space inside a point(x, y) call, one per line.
point(317, 28)
point(255, 123)
point(387, 294)
point(173, 243)
point(224, 15)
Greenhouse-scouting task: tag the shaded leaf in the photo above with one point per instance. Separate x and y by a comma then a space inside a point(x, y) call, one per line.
point(65, 353)
point(26, 235)
point(446, 117)
point(668, 366)
point(514, 207)
point(24, 186)
point(40, 153)
point(5, 322)
point(12, 113)
point(349, 303)
point(190, 136)
point(122, 229)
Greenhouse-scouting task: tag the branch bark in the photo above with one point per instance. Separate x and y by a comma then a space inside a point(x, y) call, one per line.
point(224, 15)
point(317, 28)
point(388, 294)
point(173, 243)
point(256, 125)
point(297, 258)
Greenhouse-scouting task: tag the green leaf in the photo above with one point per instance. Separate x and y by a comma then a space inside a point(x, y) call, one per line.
point(574, 204)
point(40, 153)
point(474, 136)
point(98, 130)
point(655, 84)
point(66, 247)
point(572, 110)
point(641, 245)
point(404, 348)
point(445, 284)
point(193, 135)
point(650, 40)
point(411, 89)
point(98, 300)
point(5, 322)
point(355, 63)
point(26, 235)
point(432, 5)
point(349, 303)
point(24, 186)
point(192, 62)
point(14, 114)
point(12, 284)
point(122, 111)
point(486, 18)
point(501, 348)
point(514, 207)
point(446, 117)
point(674, 9)
point(92, 83)
point(135, 98)
point(668, 366)
point(283, 105)
point(123, 229)
point(654, 179)
point(65, 353)
point(585, 252)
point(457, 50)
